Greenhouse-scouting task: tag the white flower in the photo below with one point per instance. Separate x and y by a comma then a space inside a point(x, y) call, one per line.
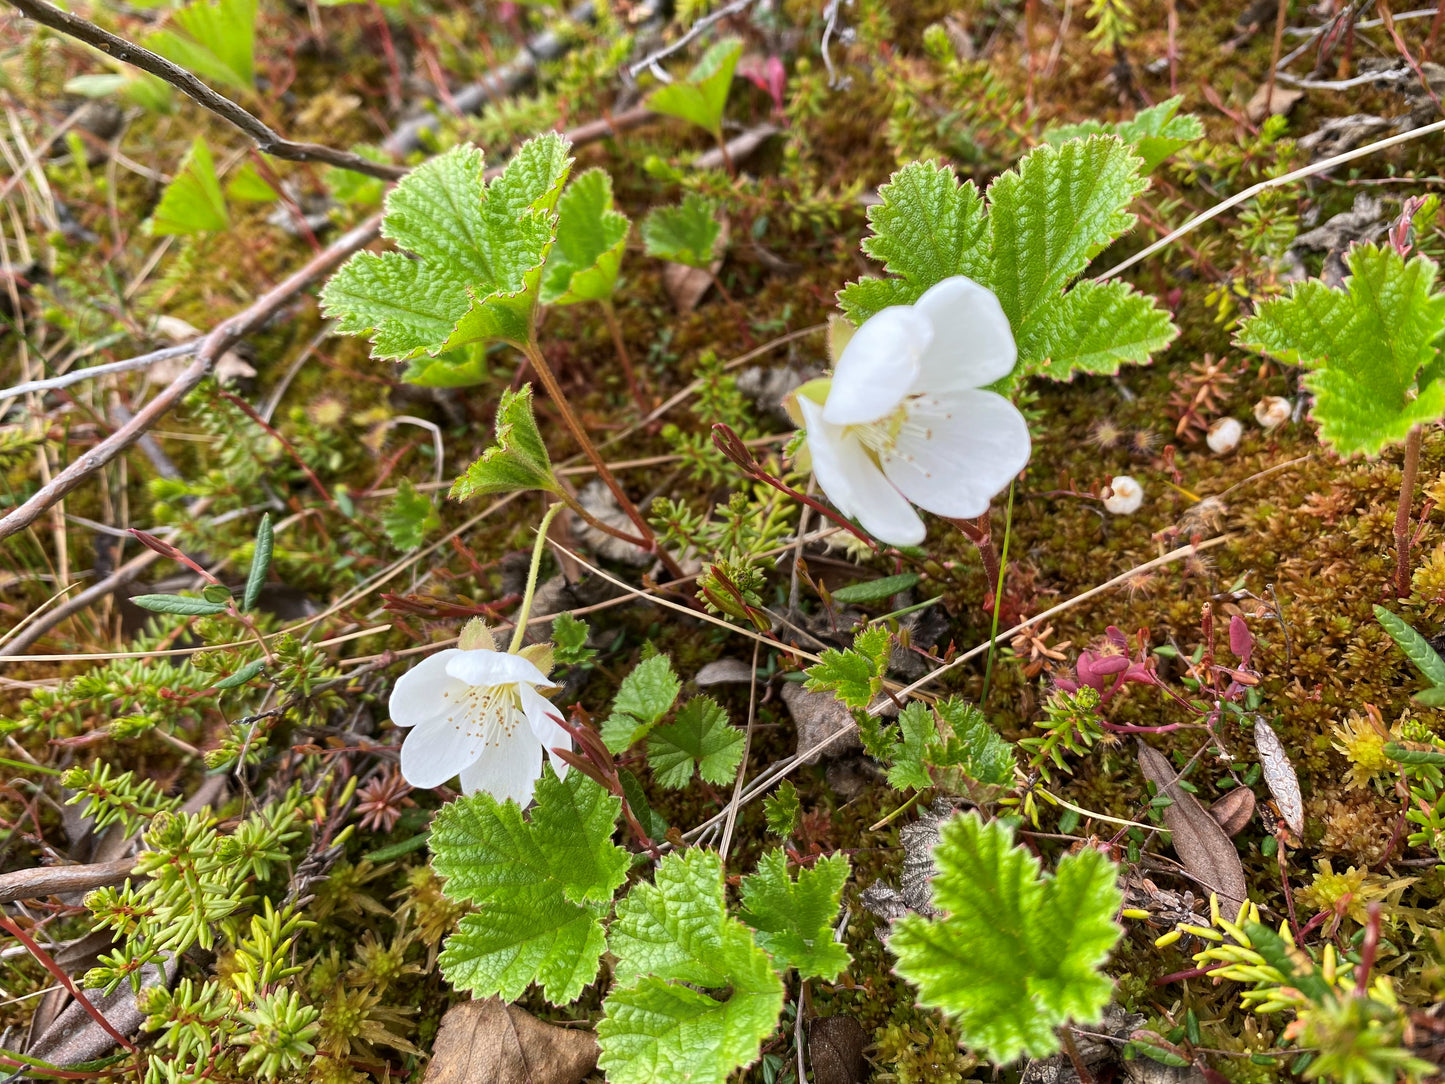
point(1224, 435)
point(477, 714)
point(906, 417)
point(1125, 495)
point(1272, 411)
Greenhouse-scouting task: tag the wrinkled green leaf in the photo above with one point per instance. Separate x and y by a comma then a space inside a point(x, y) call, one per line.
point(410, 517)
point(686, 234)
point(260, 562)
point(517, 461)
point(699, 739)
point(793, 919)
point(646, 694)
point(854, 675)
point(875, 590)
point(591, 237)
point(1154, 133)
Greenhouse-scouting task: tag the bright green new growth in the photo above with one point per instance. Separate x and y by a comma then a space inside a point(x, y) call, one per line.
point(854, 675)
point(672, 932)
point(541, 887)
point(409, 517)
point(218, 41)
point(1369, 349)
point(192, 202)
point(793, 919)
point(686, 234)
point(646, 694)
point(965, 748)
point(569, 641)
point(479, 250)
point(1154, 133)
point(701, 739)
point(702, 96)
point(1045, 221)
point(591, 237)
point(517, 461)
point(1017, 954)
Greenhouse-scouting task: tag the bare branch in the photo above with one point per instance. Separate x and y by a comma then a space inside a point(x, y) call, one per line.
point(260, 133)
point(75, 376)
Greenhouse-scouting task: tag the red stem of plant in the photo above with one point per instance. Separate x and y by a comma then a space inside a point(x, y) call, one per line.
point(1402, 511)
point(65, 980)
point(271, 431)
point(610, 315)
point(979, 531)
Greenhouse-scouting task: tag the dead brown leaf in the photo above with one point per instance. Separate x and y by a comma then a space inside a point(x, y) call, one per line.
point(487, 1042)
point(1279, 776)
point(1234, 810)
point(1280, 102)
point(1207, 853)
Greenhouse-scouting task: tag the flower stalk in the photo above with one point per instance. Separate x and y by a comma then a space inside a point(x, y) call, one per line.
point(519, 633)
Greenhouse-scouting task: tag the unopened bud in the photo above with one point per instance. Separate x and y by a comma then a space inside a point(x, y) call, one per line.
point(1123, 496)
point(1224, 435)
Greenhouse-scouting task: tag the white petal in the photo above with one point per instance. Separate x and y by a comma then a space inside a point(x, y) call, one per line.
point(957, 451)
point(508, 770)
point(483, 667)
point(878, 366)
point(417, 694)
point(439, 748)
point(972, 343)
point(854, 483)
point(540, 711)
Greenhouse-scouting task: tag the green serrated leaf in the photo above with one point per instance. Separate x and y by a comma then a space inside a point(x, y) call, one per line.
point(178, 604)
point(216, 41)
point(260, 562)
point(700, 738)
point(875, 590)
point(1369, 349)
point(569, 641)
point(410, 517)
point(192, 202)
point(783, 811)
point(854, 675)
point(479, 250)
point(1154, 133)
point(687, 233)
point(591, 237)
point(540, 887)
point(247, 185)
point(919, 734)
point(1416, 648)
point(517, 461)
point(793, 919)
point(646, 694)
point(701, 98)
point(241, 676)
point(976, 748)
point(675, 931)
point(1095, 328)
point(1018, 954)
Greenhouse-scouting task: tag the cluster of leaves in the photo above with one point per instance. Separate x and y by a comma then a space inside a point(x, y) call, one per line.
point(1042, 224)
point(544, 889)
point(950, 745)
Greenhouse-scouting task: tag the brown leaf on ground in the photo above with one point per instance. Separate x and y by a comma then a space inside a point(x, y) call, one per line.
point(1207, 853)
point(685, 285)
point(1234, 810)
point(1279, 776)
point(487, 1042)
point(820, 715)
point(835, 1048)
point(1280, 102)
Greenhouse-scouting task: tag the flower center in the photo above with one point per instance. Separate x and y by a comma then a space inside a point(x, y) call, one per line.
point(882, 436)
point(491, 713)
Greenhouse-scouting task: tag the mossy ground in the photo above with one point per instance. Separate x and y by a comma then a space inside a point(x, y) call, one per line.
point(1304, 532)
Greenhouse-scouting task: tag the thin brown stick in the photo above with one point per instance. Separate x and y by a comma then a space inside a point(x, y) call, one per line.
point(225, 335)
point(1402, 511)
point(257, 130)
point(1279, 21)
point(609, 314)
point(42, 881)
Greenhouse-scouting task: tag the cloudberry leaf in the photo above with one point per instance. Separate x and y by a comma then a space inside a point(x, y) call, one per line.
point(1369, 349)
point(686, 234)
point(793, 919)
point(1154, 133)
point(702, 96)
point(409, 517)
point(677, 931)
point(701, 738)
point(646, 694)
point(1016, 954)
point(854, 675)
point(216, 41)
point(192, 202)
point(517, 461)
point(591, 237)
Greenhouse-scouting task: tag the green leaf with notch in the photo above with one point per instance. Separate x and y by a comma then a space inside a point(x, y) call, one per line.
point(216, 41)
point(793, 919)
point(646, 694)
point(478, 254)
point(1416, 648)
point(1368, 350)
point(1154, 133)
point(700, 739)
point(701, 98)
point(687, 233)
point(518, 461)
point(854, 675)
point(410, 517)
point(192, 202)
point(591, 237)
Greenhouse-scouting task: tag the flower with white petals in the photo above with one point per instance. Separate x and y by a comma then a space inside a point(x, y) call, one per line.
point(476, 712)
point(906, 417)
point(1123, 496)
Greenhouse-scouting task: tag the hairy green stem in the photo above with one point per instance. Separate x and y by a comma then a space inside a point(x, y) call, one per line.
point(1008, 524)
point(520, 632)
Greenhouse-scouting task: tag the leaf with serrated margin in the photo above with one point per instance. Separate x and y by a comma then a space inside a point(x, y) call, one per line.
point(687, 233)
point(976, 748)
point(1154, 133)
point(1017, 954)
point(1369, 348)
point(646, 694)
point(517, 461)
point(700, 738)
point(218, 42)
point(793, 919)
point(591, 237)
point(673, 931)
point(1094, 328)
point(918, 730)
point(1059, 209)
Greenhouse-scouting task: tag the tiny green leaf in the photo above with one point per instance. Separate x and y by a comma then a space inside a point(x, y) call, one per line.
point(793, 919)
point(1154, 133)
point(701, 97)
point(975, 747)
point(909, 769)
point(1017, 954)
point(569, 641)
point(672, 932)
point(875, 590)
point(519, 459)
point(700, 738)
point(241, 676)
point(646, 694)
point(178, 604)
point(686, 234)
point(854, 675)
point(783, 810)
point(1416, 648)
point(260, 562)
point(409, 517)
point(192, 202)
point(591, 237)
point(1369, 349)
point(216, 41)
